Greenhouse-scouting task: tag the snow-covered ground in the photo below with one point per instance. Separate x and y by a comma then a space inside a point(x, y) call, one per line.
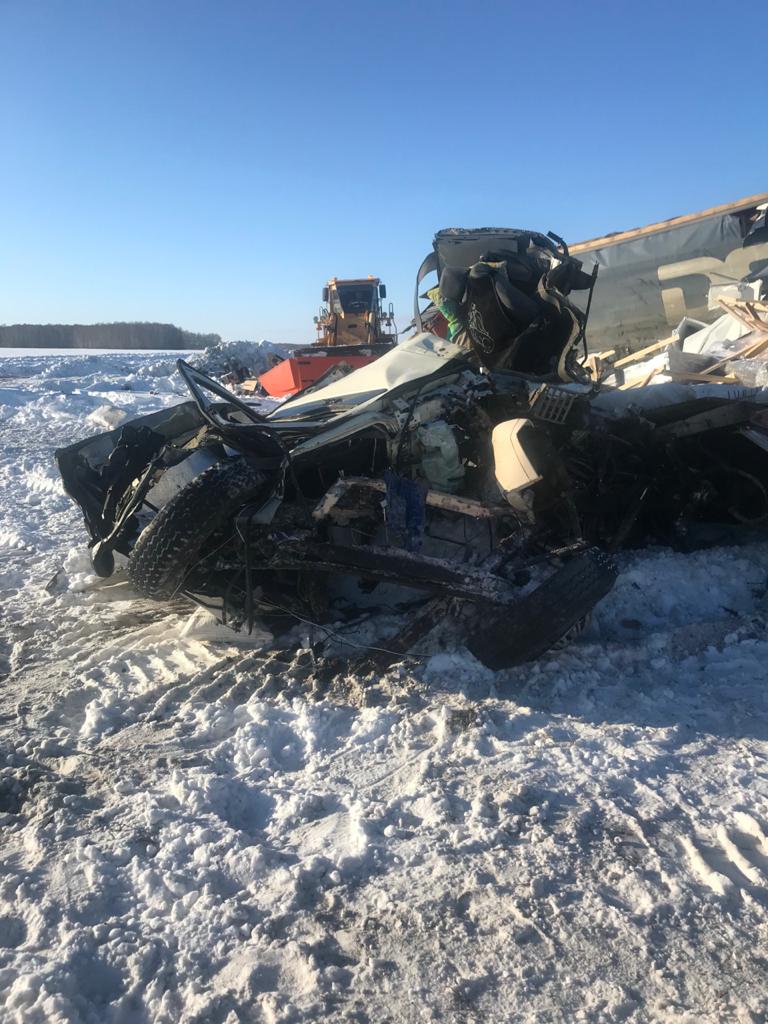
point(195, 831)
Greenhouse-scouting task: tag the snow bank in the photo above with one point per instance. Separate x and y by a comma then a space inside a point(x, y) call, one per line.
point(255, 357)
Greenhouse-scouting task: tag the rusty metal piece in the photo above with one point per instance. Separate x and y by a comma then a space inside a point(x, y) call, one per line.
point(436, 499)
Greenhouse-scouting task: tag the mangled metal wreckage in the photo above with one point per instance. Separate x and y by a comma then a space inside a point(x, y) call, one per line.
point(481, 479)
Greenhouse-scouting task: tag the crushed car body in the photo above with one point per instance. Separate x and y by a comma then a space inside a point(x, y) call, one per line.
point(482, 478)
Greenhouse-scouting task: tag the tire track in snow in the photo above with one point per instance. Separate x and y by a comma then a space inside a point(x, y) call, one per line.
point(732, 860)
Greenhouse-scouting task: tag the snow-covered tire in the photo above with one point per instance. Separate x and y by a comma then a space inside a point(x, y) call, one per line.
point(174, 540)
point(529, 629)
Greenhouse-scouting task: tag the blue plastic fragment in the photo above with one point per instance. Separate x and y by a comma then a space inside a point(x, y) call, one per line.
point(406, 509)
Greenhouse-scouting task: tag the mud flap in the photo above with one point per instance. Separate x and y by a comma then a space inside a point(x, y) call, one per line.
point(530, 628)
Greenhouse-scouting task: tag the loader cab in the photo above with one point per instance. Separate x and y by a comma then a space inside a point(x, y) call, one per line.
point(352, 312)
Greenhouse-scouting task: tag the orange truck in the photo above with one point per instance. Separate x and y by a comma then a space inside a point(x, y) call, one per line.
point(352, 329)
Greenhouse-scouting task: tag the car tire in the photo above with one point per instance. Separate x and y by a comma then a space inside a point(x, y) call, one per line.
point(175, 539)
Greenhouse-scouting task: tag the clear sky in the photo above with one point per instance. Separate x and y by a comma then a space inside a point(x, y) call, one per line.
point(212, 163)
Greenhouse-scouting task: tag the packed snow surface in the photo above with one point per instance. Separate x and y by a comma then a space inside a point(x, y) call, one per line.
point(196, 830)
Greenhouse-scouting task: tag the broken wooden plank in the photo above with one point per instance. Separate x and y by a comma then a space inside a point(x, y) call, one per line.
point(595, 361)
point(743, 353)
point(641, 353)
point(755, 306)
point(704, 378)
point(746, 311)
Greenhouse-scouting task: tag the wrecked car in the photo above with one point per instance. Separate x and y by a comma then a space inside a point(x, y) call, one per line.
point(480, 479)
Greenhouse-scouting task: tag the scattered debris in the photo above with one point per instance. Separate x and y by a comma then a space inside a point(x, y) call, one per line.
point(732, 350)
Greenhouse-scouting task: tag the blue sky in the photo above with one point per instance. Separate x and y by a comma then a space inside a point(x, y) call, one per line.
point(212, 163)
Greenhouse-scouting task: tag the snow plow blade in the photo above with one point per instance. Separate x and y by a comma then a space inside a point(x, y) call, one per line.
point(301, 371)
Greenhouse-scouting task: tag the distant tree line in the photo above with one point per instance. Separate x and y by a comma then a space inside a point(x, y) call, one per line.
point(120, 335)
